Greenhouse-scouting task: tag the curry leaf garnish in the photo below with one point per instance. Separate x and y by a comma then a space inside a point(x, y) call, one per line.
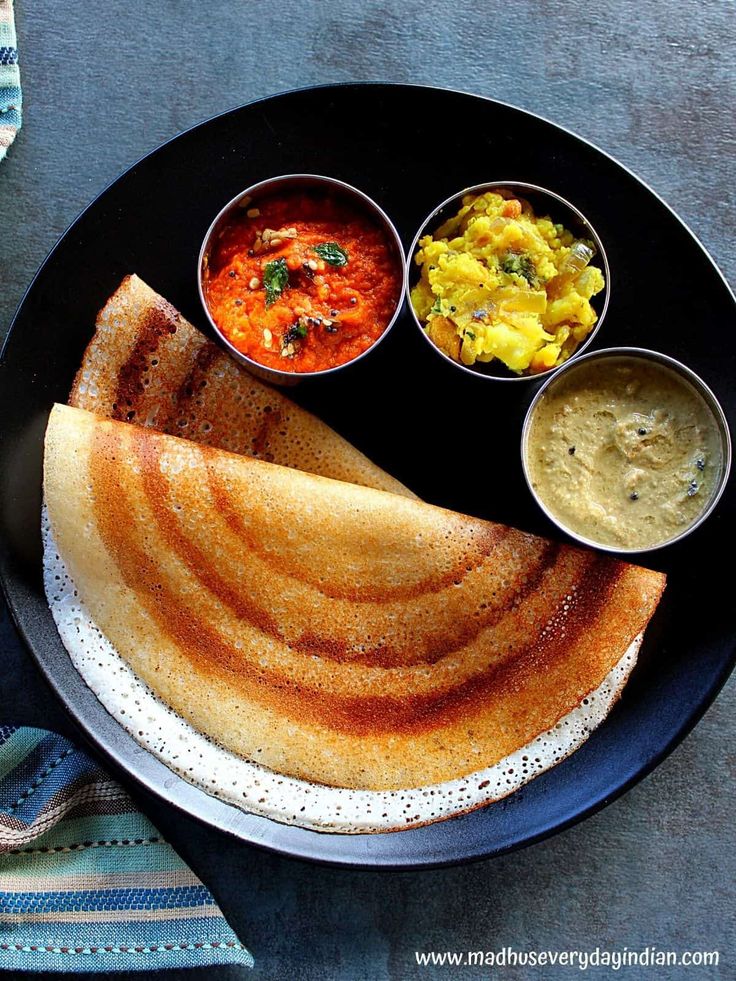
point(518, 264)
point(275, 279)
point(332, 253)
point(436, 306)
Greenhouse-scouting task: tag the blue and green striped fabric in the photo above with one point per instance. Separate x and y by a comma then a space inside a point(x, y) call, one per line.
point(10, 98)
point(86, 881)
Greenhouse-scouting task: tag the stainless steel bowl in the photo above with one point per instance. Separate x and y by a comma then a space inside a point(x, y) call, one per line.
point(690, 378)
point(544, 202)
point(250, 197)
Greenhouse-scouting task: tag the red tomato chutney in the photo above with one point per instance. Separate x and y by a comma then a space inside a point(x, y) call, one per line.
point(302, 281)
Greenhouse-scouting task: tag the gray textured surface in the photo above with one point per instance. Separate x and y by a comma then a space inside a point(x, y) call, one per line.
point(652, 84)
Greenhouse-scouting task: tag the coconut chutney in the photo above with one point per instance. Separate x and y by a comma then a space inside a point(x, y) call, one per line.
point(623, 452)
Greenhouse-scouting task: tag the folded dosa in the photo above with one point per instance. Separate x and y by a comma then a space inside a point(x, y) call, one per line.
point(332, 632)
point(146, 364)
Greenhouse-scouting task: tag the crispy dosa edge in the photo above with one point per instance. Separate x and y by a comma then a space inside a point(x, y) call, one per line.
point(256, 789)
point(148, 365)
point(396, 742)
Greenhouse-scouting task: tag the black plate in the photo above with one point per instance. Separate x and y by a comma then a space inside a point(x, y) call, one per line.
point(452, 438)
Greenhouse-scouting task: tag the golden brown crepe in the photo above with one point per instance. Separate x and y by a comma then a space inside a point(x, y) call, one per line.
point(146, 364)
point(333, 632)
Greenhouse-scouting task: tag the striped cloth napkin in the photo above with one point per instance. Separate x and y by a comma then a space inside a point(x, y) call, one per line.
point(86, 881)
point(10, 100)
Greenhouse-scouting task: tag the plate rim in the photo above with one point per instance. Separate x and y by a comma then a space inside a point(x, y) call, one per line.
point(341, 85)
